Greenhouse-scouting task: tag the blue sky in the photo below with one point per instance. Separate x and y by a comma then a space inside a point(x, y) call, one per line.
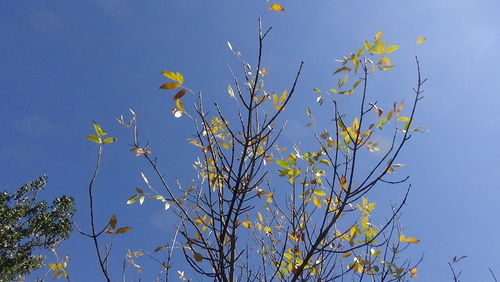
point(64, 64)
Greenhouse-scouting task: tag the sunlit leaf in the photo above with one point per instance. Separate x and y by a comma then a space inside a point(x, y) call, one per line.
point(170, 85)
point(276, 7)
point(98, 130)
point(179, 105)
point(247, 224)
point(133, 199)
point(391, 49)
point(378, 35)
point(230, 91)
point(413, 272)
point(316, 202)
point(94, 138)
point(283, 96)
point(180, 78)
point(341, 69)
point(261, 218)
point(123, 230)
point(110, 140)
point(420, 40)
point(410, 240)
point(319, 192)
point(177, 113)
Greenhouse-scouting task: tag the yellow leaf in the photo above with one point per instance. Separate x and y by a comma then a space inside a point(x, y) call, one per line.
point(180, 78)
point(420, 40)
point(170, 85)
point(413, 272)
point(179, 105)
point(247, 224)
point(261, 218)
point(98, 130)
point(268, 230)
point(409, 240)
point(123, 230)
point(112, 222)
point(378, 35)
point(384, 60)
point(403, 119)
point(317, 202)
point(283, 96)
point(174, 76)
point(276, 7)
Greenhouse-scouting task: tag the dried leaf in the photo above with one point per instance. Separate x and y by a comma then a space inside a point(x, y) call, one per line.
point(180, 94)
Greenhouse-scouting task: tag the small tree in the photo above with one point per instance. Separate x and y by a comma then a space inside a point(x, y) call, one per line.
point(237, 225)
point(28, 225)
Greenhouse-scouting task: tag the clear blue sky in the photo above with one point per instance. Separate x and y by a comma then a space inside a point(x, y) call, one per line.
point(64, 64)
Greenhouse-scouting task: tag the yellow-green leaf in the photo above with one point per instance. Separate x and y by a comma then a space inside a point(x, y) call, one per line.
point(261, 218)
point(378, 35)
point(276, 7)
point(110, 140)
point(94, 138)
point(123, 230)
point(420, 40)
point(132, 199)
point(319, 192)
point(403, 119)
point(391, 49)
